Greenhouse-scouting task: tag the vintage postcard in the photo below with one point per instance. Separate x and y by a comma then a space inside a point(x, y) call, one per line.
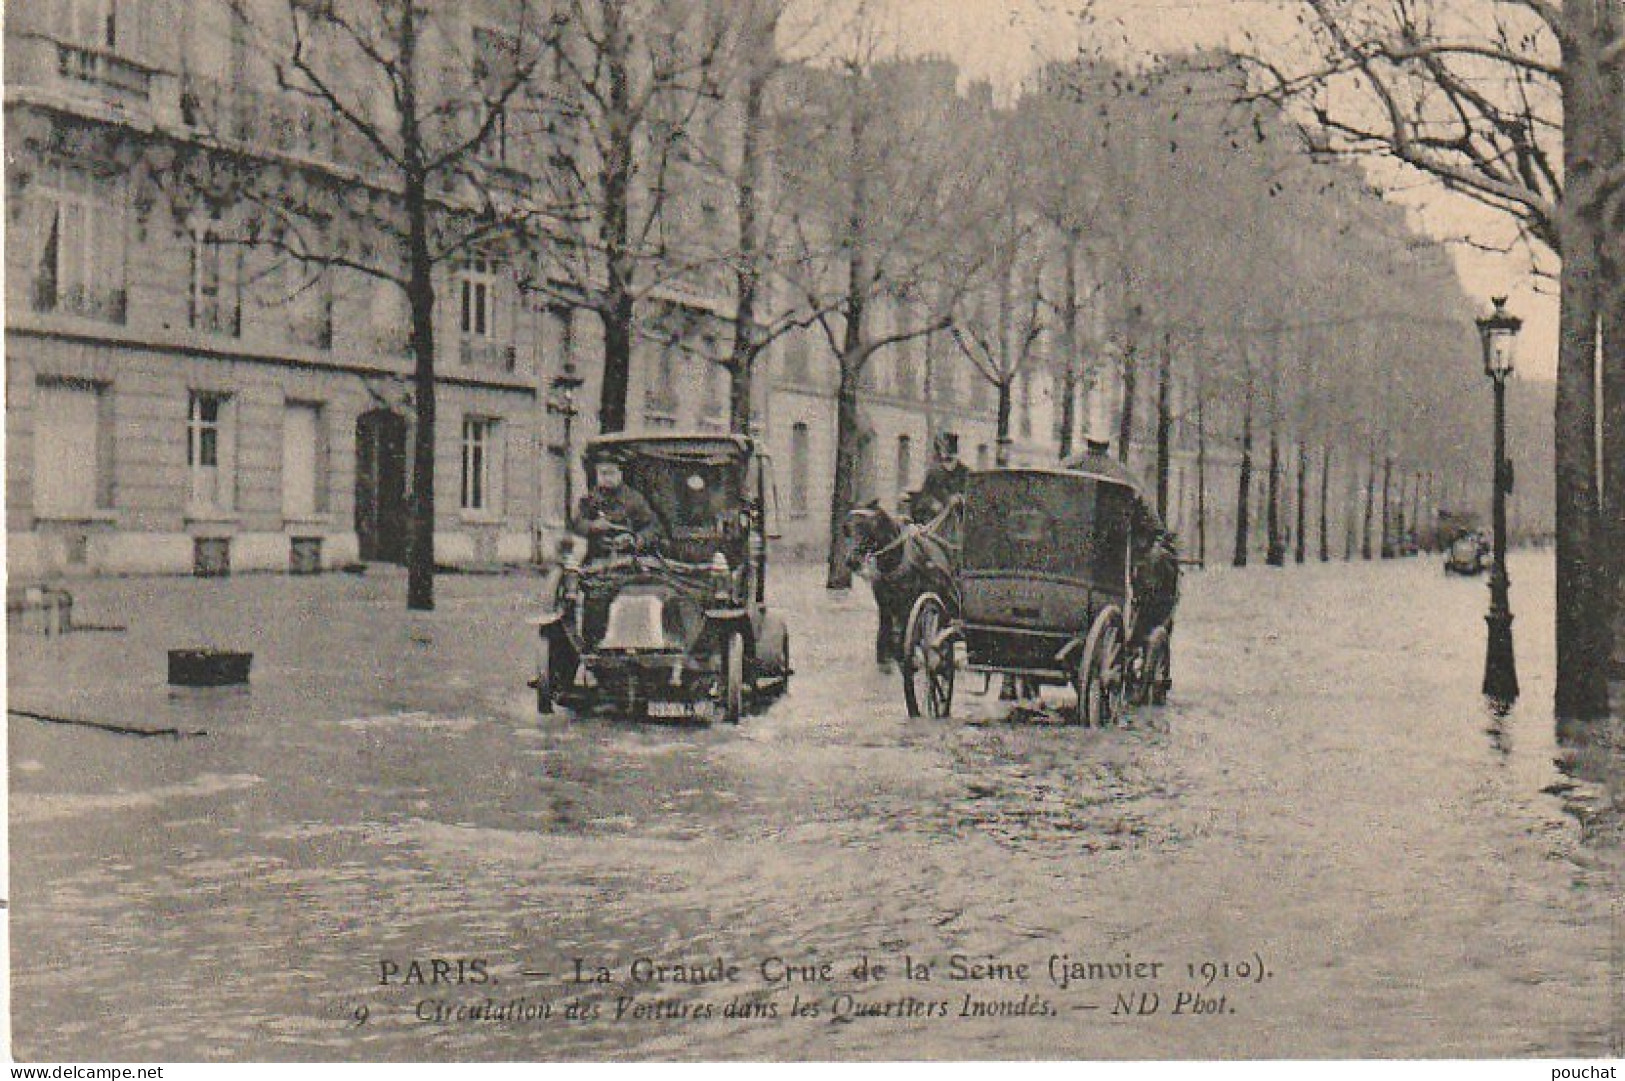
point(759, 530)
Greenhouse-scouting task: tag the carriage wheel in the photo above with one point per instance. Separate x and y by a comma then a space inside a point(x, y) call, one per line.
point(1103, 673)
point(928, 667)
point(544, 675)
point(733, 679)
point(1156, 670)
point(784, 684)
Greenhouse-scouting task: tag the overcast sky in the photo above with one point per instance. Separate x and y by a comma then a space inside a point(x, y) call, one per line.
point(1003, 41)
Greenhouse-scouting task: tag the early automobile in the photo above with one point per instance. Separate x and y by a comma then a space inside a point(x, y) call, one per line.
point(1468, 554)
point(1065, 577)
point(666, 615)
point(1466, 549)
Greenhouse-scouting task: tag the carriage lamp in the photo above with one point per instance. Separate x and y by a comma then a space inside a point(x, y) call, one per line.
point(1498, 332)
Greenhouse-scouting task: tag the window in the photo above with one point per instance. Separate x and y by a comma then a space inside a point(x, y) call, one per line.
point(304, 461)
point(390, 321)
point(800, 470)
point(311, 320)
point(979, 391)
point(944, 376)
point(79, 266)
point(905, 462)
point(216, 301)
point(563, 317)
point(717, 389)
point(908, 376)
point(73, 449)
point(476, 293)
point(981, 456)
point(91, 23)
point(660, 399)
point(481, 469)
point(210, 451)
point(795, 357)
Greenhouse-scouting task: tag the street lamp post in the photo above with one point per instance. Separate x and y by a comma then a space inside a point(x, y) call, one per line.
point(1497, 331)
point(561, 402)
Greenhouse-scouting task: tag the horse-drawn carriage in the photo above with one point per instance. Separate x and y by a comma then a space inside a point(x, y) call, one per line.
point(669, 619)
point(1062, 577)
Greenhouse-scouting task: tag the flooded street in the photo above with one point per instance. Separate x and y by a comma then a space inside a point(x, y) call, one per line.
point(1324, 814)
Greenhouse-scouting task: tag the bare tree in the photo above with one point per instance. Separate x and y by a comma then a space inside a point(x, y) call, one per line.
point(882, 179)
point(402, 124)
point(1515, 104)
point(628, 89)
point(997, 323)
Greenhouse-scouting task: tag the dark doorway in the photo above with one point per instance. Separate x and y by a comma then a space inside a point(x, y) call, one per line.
point(380, 486)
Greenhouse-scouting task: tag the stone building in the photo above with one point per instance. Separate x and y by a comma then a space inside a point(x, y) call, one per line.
point(178, 401)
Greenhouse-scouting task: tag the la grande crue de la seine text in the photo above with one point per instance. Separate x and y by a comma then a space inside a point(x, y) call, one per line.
point(1060, 969)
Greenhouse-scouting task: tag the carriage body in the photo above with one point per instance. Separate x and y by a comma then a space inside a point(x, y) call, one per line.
point(1044, 552)
point(1051, 589)
point(678, 626)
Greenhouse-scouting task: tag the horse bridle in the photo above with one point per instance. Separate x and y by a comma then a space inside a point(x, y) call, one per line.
point(873, 558)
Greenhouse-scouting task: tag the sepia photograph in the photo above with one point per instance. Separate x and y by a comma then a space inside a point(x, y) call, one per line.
point(864, 531)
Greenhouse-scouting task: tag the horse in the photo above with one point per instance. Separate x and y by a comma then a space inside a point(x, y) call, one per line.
point(902, 561)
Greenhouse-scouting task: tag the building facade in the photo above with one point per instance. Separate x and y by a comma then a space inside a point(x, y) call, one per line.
point(178, 401)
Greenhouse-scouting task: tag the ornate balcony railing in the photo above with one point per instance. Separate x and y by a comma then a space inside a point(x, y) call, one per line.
point(484, 353)
point(271, 120)
point(40, 60)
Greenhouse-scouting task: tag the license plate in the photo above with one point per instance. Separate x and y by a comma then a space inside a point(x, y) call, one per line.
point(672, 709)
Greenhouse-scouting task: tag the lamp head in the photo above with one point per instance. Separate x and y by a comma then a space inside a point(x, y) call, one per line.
point(1497, 332)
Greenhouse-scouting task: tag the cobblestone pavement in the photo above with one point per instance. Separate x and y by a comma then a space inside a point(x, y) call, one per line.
point(1372, 864)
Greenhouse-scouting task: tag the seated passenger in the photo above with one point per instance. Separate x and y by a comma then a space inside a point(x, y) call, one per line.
point(615, 517)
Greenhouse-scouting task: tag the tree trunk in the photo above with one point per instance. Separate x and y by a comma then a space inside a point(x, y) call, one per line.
point(1370, 498)
point(1201, 479)
point(1070, 359)
point(1351, 507)
point(748, 278)
point(420, 298)
point(1299, 540)
point(1165, 424)
point(1582, 687)
point(1612, 383)
point(1275, 551)
point(1131, 378)
point(1244, 484)
point(1386, 548)
point(854, 356)
point(1613, 453)
point(1001, 440)
point(617, 308)
point(616, 315)
point(1325, 490)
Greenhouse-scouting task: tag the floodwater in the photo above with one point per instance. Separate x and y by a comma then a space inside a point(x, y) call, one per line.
point(1323, 846)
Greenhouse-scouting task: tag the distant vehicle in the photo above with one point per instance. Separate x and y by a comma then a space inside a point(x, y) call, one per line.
point(1065, 577)
point(674, 623)
point(1468, 554)
point(1460, 534)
